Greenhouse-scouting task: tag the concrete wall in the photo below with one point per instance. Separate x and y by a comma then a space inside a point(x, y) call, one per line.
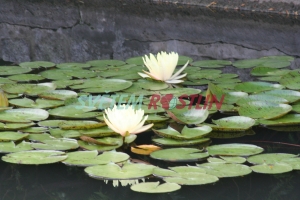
point(78, 31)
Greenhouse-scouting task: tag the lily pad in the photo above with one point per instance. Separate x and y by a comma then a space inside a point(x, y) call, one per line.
point(154, 187)
point(290, 95)
point(23, 115)
point(104, 63)
point(211, 63)
point(286, 120)
point(90, 158)
point(79, 125)
point(28, 89)
point(11, 136)
point(26, 77)
point(179, 143)
point(50, 123)
point(223, 170)
point(186, 133)
point(188, 116)
point(234, 123)
point(269, 158)
point(277, 168)
point(234, 150)
point(179, 155)
point(37, 64)
point(73, 65)
point(15, 126)
point(38, 103)
point(233, 159)
point(265, 110)
point(12, 70)
point(74, 112)
point(56, 144)
point(10, 147)
point(192, 179)
point(35, 157)
point(262, 97)
point(59, 94)
point(113, 171)
point(112, 140)
point(251, 87)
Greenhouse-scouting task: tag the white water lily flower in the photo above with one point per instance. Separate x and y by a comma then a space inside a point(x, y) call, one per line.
point(125, 120)
point(162, 67)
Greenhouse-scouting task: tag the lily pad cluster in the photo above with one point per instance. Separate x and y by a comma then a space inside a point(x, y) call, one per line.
point(54, 113)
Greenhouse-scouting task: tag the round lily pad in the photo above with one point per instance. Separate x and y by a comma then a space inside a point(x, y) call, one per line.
point(262, 97)
point(10, 147)
point(179, 155)
point(102, 85)
point(179, 143)
point(188, 116)
point(15, 126)
point(115, 141)
point(28, 89)
point(223, 170)
point(276, 168)
point(211, 63)
point(12, 136)
point(266, 110)
point(90, 158)
point(79, 125)
point(155, 187)
point(12, 70)
point(37, 64)
point(59, 94)
point(35, 157)
point(234, 149)
point(113, 171)
point(74, 112)
point(26, 77)
point(23, 115)
point(251, 87)
point(286, 120)
point(38, 103)
point(290, 95)
point(186, 133)
point(56, 144)
point(192, 179)
point(50, 123)
point(73, 65)
point(242, 64)
point(104, 63)
point(233, 159)
point(234, 123)
point(270, 158)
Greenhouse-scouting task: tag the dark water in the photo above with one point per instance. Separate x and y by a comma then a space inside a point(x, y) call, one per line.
point(57, 181)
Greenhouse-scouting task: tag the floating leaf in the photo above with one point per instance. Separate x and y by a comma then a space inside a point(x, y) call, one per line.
point(144, 149)
point(28, 89)
point(211, 63)
point(11, 136)
point(223, 170)
point(35, 157)
point(56, 144)
point(251, 87)
point(179, 155)
point(37, 64)
point(179, 143)
point(26, 77)
point(290, 95)
point(277, 168)
point(12, 70)
point(234, 150)
point(234, 123)
point(10, 147)
point(270, 158)
point(38, 103)
point(286, 120)
point(23, 115)
point(154, 187)
point(192, 179)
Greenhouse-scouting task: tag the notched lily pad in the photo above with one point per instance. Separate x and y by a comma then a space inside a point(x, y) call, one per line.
point(155, 187)
point(10, 147)
point(179, 155)
point(223, 170)
point(56, 144)
point(234, 149)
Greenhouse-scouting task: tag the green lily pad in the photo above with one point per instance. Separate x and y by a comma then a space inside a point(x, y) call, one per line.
point(234, 123)
point(160, 172)
point(261, 97)
point(277, 168)
point(234, 150)
point(105, 63)
point(50, 123)
point(186, 133)
point(180, 143)
point(290, 95)
point(38, 103)
point(109, 140)
point(113, 171)
point(26, 77)
point(269, 158)
point(223, 170)
point(230, 134)
point(56, 144)
point(154, 187)
point(293, 162)
point(38, 137)
point(34, 130)
point(153, 118)
point(251, 87)
point(77, 125)
point(35, 157)
point(74, 112)
point(23, 115)
point(10, 147)
point(37, 64)
point(268, 71)
point(265, 110)
point(14, 126)
point(102, 85)
point(61, 84)
point(210, 74)
point(188, 116)
point(182, 60)
point(73, 65)
point(11, 136)
point(5, 80)
point(180, 91)
point(185, 169)
point(135, 60)
point(272, 79)
point(12, 70)
point(151, 85)
point(243, 64)
point(233, 159)
point(90, 158)
point(59, 94)
point(28, 89)
point(215, 160)
point(179, 155)
point(192, 179)
point(286, 120)
point(211, 63)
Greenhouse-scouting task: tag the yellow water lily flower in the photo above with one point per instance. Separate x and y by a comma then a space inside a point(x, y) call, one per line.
point(125, 120)
point(162, 67)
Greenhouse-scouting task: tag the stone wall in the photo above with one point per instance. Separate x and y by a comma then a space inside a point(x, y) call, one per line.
point(78, 31)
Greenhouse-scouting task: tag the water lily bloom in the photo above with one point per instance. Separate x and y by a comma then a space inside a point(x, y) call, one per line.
point(125, 120)
point(162, 67)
